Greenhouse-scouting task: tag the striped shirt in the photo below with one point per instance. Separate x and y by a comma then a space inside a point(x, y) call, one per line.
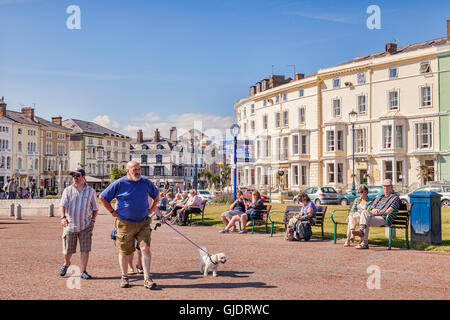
point(79, 207)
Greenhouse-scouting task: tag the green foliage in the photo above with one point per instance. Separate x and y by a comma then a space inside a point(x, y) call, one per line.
point(117, 173)
point(224, 199)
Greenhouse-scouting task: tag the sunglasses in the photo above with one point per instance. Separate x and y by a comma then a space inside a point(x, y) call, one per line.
point(76, 176)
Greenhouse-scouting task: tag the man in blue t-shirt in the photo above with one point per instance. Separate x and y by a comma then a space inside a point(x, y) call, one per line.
point(132, 218)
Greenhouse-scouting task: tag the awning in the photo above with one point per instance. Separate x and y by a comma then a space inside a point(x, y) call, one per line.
point(92, 179)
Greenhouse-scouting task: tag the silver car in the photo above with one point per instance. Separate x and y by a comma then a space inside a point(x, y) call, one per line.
point(322, 195)
point(443, 190)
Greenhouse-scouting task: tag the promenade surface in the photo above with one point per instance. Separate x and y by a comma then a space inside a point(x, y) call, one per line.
point(258, 267)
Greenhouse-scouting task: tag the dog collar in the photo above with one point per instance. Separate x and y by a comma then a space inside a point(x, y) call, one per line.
point(216, 263)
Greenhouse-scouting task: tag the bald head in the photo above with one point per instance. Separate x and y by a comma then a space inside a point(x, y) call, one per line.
point(133, 171)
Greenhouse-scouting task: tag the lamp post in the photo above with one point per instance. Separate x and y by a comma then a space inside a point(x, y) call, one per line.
point(353, 117)
point(103, 164)
point(221, 174)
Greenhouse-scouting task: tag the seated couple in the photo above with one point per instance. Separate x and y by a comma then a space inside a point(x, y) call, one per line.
point(239, 213)
point(182, 206)
point(374, 214)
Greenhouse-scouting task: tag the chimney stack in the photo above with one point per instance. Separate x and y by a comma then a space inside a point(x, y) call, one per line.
point(57, 120)
point(157, 136)
point(2, 107)
point(299, 76)
point(28, 112)
point(140, 136)
point(173, 134)
point(448, 30)
point(391, 48)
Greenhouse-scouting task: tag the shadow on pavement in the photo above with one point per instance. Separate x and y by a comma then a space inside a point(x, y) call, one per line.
point(258, 285)
point(197, 275)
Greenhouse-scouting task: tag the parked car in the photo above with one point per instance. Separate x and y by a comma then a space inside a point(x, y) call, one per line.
point(248, 194)
point(322, 195)
point(205, 195)
point(443, 190)
point(374, 191)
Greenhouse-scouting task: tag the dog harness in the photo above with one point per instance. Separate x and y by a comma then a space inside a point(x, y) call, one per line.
point(215, 263)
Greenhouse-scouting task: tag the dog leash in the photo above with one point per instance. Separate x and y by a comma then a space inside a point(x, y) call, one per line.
point(163, 218)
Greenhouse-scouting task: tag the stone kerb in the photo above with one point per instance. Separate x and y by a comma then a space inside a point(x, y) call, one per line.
point(40, 207)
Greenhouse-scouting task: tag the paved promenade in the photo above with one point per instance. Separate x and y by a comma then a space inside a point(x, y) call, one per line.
point(258, 267)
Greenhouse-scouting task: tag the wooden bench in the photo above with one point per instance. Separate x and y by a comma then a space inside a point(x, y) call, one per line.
point(260, 217)
point(401, 221)
point(292, 210)
point(202, 211)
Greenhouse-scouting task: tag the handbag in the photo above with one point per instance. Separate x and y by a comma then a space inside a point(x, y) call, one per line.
point(113, 234)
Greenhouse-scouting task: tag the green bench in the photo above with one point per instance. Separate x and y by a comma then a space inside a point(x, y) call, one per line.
point(401, 221)
point(289, 214)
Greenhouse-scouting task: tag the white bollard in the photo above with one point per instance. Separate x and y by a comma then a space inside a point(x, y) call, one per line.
point(52, 210)
point(19, 212)
point(11, 210)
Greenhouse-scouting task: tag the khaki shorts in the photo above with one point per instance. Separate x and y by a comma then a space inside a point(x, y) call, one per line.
point(127, 232)
point(70, 240)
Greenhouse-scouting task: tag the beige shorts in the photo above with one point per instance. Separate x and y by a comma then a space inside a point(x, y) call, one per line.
point(127, 232)
point(69, 240)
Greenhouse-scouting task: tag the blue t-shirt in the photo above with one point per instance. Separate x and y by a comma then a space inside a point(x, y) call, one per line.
point(305, 208)
point(132, 197)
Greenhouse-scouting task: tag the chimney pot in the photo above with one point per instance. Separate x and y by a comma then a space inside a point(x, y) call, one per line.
point(391, 48)
point(140, 136)
point(2, 107)
point(28, 112)
point(299, 76)
point(448, 30)
point(57, 120)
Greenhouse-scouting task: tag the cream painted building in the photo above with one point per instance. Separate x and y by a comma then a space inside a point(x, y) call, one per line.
point(303, 126)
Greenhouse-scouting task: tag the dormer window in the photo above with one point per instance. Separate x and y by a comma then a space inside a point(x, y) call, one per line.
point(393, 73)
point(336, 83)
point(425, 67)
point(159, 147)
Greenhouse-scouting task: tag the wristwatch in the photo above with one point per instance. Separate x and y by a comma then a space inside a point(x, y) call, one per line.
point(64, 217)
point(113, 210)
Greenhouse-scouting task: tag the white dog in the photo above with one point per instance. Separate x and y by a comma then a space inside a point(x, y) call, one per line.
point(210, 262)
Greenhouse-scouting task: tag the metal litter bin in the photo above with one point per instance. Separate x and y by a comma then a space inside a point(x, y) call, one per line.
point(426, 217)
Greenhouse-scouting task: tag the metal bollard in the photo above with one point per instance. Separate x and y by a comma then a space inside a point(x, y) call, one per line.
point(52, 210)
point(11, 210)
point(19, 212)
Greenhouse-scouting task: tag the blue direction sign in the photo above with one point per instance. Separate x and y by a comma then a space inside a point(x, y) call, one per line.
point(248, 160)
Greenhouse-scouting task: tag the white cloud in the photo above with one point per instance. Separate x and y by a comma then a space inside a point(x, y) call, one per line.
point(107, 122)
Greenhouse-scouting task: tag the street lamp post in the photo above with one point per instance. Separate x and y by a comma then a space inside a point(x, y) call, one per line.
point(103, 164)
point(221, 174)
point(353, 117)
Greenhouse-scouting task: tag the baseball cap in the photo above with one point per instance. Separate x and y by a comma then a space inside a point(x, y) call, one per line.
point(387, 182)
point(78, 170)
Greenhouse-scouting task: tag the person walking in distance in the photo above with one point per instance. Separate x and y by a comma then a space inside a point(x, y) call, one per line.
point(78, 212)
point(132, 218)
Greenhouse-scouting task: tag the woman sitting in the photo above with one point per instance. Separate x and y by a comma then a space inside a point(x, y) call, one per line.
point(192, 205)
point(253, 211)
point(359, 205)
point(236, 209)
point(308, 212)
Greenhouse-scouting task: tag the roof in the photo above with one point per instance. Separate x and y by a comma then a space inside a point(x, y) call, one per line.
point(81, 126)
point(21, 118)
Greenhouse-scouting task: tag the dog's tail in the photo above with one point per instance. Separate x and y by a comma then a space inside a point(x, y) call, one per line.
point(202, 251)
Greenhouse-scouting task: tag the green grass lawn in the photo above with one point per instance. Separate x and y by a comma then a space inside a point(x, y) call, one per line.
point(377, 235)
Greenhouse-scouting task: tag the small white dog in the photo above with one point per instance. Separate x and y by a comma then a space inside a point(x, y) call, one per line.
point(209, 262)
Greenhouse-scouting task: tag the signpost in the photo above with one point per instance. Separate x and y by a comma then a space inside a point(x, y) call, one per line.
point(235, 130)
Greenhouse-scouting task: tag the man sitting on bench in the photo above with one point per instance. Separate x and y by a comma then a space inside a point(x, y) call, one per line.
point(376, 213)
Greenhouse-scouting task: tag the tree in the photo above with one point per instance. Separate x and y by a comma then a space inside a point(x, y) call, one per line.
point(117, 173)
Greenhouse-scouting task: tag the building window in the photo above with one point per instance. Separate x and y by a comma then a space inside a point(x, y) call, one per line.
point(360, 137)
point(265, 122)
point(266, 147)
point(399, 137)
point(295, 144)
point(340, 172)
point(340, 140)
point(362, 104)
point(301, 92)
point(19, 146)
point(62, 136)
point(277, 98)
point(159, 158)
point(361, 77)
point(336, 108)
point(304, 144)
point(387, 168)
point(285, 119)
point(49, 134)
point(144, 158)
point(19, 131)
point(424, 135)
point(245, 112)
point(264, 102)
point(330, 141)
point(295, 169)
point(253, 126)
point(285, 148)
point(393, 73)
point(425, 67)
point(399, 171)
point(425, 96)
point(245, 128)
point(277, 120)
point(330, 170)
point(48, 148)
point(301, 115)
point(387, 137)
point(284, 96)
point(304, 170)
point(393, 100)
point(252, 109)
point(336, 83)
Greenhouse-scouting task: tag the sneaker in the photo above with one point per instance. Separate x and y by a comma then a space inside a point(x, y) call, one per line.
point(139, 269)
point(85, 275)
point(124, 282)
point(224, 230)
point(358, 233)
point(242, 231)
point(63, 270)
point(149, 284)
point(347, 243)
point(362, 246)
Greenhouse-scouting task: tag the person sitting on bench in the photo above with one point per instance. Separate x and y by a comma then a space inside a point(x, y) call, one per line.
point(308, 211)
point(192, 205)
point(359, 205)
point(253, 210)
point(377, 212)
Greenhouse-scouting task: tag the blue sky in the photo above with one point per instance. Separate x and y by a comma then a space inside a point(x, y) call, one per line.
point(147, 64)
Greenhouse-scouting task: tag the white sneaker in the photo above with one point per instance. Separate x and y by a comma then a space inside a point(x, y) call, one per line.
point(224, 230)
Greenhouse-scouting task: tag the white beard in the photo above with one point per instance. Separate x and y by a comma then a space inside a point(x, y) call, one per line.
point(133, 178)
